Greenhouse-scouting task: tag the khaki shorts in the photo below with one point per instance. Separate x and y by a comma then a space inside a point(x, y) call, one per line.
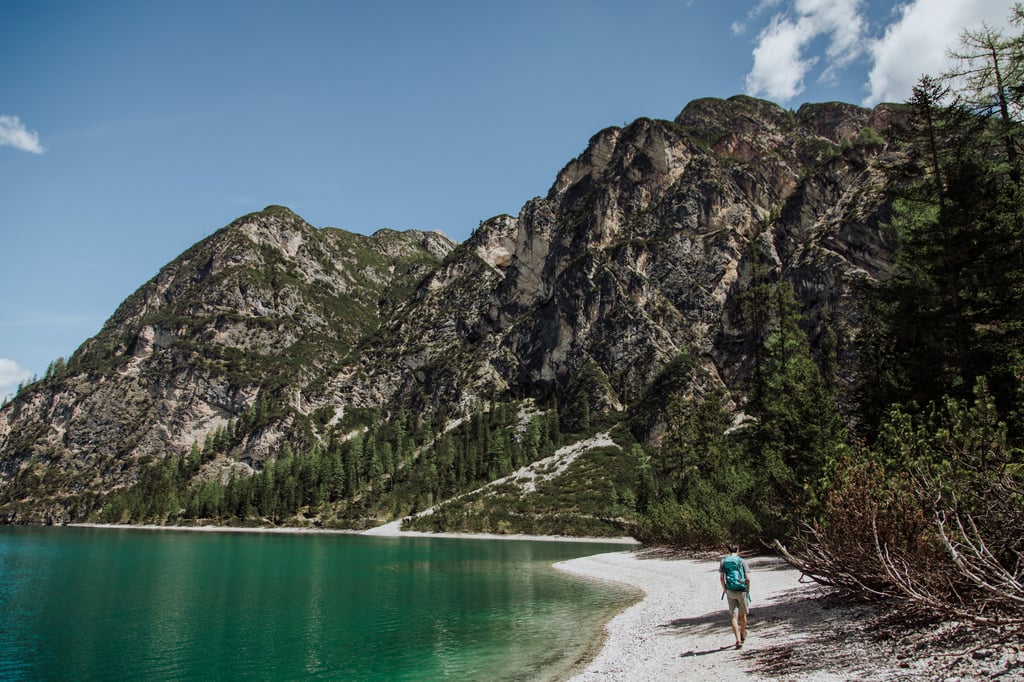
point(737, 600)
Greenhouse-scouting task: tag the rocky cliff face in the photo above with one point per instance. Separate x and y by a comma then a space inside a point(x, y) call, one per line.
point(639, 249)
point(637, 254)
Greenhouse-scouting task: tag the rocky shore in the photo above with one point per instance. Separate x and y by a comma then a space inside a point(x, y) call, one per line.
point(680, 630)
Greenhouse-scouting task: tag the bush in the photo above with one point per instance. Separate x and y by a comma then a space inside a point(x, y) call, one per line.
point(715, 523)
point(930, 519)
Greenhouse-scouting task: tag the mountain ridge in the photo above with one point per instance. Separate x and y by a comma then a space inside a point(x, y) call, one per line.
point(639, 253)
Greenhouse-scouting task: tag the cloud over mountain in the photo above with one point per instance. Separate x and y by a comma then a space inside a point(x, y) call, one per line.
point(805, 39)
point(918, 41)
point(783, 56)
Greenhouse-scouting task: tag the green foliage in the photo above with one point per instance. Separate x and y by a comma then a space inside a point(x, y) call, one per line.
point(702, 480)
point(585, 394)
point(868, 136)
point(953, 310)
point(951, 445)
point(594, 496)
point(648, 412)
point(712, 522)
point(798, 427)
point(708, 482)
point(389, 468)
point(931, 515)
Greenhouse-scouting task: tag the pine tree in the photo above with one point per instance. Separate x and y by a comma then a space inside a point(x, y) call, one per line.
point(375, 470)
point(697, 488)
point(798, 425)
point(401, 447)
point(352, 456)
point(336, 475)
point(989, 70)
point(952, 311)
point(532, 442)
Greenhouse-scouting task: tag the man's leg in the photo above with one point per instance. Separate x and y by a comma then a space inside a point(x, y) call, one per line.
point(742, 618)
point(735, 608)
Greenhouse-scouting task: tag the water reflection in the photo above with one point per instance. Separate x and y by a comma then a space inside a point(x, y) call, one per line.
point(89, 603)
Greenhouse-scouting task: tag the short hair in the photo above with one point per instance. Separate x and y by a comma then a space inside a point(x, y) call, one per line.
point(732, 548)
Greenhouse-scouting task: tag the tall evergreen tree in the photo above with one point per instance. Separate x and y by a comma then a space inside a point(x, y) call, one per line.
point(798, 426)
point(989, 72)
point(952, 310)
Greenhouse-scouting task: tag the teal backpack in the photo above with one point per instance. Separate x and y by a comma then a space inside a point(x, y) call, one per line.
point(735, 576)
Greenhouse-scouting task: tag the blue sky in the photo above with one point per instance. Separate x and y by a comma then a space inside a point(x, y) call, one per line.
point(131, 130)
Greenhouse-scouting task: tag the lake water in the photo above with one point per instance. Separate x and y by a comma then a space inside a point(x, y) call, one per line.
point(90, 604)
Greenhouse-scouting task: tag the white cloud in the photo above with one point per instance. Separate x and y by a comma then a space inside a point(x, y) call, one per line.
point(764, 5)
point(10, 376)
point(781, 62)
point(13, 133)
point(779, 67)
point(917, 43)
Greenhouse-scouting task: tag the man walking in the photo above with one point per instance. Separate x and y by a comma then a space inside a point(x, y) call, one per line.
point(734, 574)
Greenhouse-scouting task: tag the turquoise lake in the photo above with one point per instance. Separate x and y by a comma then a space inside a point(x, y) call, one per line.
point(112, 604)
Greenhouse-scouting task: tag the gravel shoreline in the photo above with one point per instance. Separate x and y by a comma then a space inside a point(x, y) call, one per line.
point(680, 629)
point(388, 530)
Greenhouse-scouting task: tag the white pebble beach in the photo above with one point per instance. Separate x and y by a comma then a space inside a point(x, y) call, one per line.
point(680, 629)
